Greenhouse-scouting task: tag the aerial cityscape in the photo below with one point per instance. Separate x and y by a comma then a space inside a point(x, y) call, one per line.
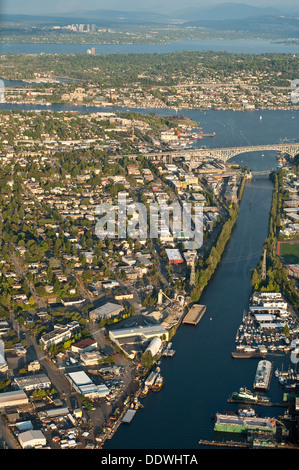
point(149, 229)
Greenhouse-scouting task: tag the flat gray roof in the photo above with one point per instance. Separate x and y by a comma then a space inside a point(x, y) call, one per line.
point(128, 416)
point(106, 309)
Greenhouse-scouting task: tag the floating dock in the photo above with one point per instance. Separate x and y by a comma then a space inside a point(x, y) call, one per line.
point(244, 445)
point(195, 314)
point(247, 355)
point(127, 418)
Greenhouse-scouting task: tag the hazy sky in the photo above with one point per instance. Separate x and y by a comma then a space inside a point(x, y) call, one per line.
point(67, 6)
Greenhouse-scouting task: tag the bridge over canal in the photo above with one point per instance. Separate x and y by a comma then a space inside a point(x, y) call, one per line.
point(222, 154)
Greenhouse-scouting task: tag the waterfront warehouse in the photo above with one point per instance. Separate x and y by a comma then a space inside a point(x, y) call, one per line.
point(85, 386)
point(239, 424)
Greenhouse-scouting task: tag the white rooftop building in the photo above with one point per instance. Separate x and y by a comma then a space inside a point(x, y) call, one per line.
point(106, 311)
point(85, 386)
point(154, 346)
point(147, 332)
point(14, 398)
point(33, 382)
point(32, 439)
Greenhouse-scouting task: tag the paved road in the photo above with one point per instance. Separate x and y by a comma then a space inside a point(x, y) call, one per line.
point(7, 441)
point(56, 376)
point(40, 302)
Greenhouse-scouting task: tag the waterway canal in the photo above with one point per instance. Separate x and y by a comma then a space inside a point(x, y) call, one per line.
point(202, 374)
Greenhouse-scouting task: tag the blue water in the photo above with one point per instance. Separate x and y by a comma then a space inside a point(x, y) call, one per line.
point(232, 128)
point(244, 46)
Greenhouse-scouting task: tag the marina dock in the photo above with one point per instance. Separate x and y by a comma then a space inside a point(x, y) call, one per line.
point(246, 445)
point(195, 314)
point(129, 415)
point(258, 402)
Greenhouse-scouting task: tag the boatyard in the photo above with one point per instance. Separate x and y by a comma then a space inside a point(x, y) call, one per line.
point(269, 327)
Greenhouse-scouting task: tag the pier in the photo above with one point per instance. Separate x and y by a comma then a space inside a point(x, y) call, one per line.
point(244, 445)
point(247, 445)
point(195, 314)
point(257, 402)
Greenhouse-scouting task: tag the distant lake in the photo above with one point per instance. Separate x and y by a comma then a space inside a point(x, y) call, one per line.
point(243, 46)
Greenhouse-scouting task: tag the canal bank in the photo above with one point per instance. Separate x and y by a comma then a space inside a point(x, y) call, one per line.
point(201, 376)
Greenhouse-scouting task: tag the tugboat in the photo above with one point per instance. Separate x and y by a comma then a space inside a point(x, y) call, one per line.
point(144, 392)
point(159, 382)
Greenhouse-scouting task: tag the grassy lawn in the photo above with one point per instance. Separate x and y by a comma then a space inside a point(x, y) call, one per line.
point(289, 253)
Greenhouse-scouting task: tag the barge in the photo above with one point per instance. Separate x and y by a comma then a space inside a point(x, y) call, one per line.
point(195, 314)
point(248, 354)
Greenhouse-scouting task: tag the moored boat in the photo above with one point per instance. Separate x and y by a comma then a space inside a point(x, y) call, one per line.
point(159, 382)
point(263, 375)
point(246, 412)
point(244, 394)
point(144, 392)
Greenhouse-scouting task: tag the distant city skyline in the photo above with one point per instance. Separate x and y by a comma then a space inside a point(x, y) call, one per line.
point(38, 7)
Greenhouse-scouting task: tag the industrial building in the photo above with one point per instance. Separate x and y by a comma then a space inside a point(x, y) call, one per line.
point(85, 386)
point(154, 346)
point(15, 398)
point(32, 439)
point(132, 340)
point(147, 332)
point(106, 311)
point(32, 382)
point(55, 412)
